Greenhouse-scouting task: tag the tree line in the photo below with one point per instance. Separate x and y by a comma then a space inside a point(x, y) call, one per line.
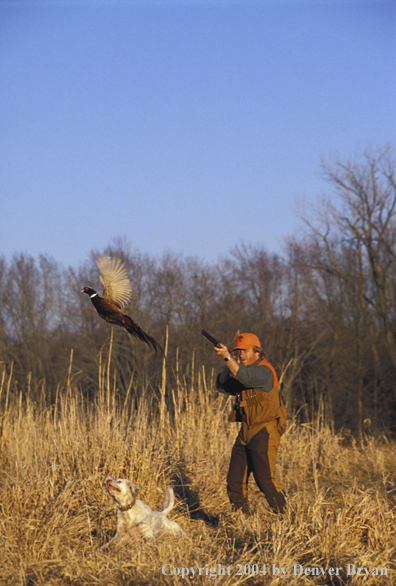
point(324, 309)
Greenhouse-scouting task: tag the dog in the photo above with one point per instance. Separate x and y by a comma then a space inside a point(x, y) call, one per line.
point(132, 512)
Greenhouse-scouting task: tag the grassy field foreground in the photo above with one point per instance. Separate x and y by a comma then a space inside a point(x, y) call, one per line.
point(56, 515)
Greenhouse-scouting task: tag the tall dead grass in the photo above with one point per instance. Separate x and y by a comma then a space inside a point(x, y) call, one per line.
point(55, 514)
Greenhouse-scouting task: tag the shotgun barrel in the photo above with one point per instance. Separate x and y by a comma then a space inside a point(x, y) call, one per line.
point(210, 338)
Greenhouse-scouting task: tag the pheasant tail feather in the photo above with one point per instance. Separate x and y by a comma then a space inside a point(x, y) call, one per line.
point(136, 331)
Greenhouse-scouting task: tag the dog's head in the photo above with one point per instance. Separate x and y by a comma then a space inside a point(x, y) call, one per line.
point(121, 490)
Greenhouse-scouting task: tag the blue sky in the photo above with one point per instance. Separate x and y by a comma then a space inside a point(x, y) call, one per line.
point(182, 126)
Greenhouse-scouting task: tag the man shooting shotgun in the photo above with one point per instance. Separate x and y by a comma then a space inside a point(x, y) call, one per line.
point(254, 383)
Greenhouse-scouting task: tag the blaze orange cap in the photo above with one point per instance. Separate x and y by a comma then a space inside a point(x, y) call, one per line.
point(245, 341)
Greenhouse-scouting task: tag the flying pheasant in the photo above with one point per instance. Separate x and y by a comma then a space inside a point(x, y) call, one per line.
point(116, 294)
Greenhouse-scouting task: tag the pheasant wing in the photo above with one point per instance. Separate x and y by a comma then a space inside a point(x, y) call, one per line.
point(114, 277)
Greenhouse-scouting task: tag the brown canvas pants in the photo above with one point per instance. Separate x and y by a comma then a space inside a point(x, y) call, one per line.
point(257, 456)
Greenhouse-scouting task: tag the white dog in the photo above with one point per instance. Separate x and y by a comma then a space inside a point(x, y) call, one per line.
point(132, 512)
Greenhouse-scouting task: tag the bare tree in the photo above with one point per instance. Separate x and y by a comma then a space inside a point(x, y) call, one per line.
point(354, 245)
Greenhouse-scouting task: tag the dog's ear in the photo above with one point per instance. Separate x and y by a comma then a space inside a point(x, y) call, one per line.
point(134, 488)
point(106, 480)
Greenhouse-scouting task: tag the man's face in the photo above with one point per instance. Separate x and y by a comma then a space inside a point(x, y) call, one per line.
point(248, 357)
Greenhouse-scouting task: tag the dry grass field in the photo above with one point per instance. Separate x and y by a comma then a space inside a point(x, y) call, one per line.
point(56, 515)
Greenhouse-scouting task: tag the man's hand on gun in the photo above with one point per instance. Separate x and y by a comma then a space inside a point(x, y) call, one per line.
point(220, 349)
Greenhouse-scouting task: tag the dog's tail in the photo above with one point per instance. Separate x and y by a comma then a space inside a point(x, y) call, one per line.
point(169, 501)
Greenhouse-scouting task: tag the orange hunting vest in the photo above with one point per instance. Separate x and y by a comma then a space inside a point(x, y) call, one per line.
point(259, 407)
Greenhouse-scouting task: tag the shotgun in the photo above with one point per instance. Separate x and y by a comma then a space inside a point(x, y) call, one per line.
point(210, 338)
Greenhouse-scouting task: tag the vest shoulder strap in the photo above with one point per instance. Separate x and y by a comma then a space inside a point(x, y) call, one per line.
point(265, 362)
